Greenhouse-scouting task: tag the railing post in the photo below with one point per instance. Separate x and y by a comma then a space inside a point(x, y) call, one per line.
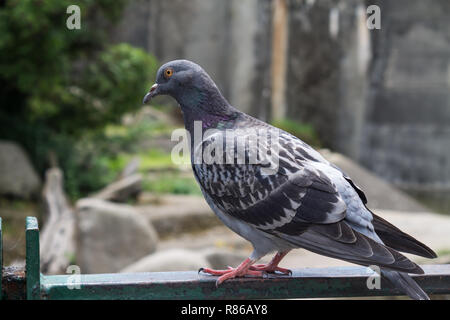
point(32, 267)
point(1, 259)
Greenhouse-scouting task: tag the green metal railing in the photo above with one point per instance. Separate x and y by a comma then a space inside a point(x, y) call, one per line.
point(304, 283)
point(1, 258)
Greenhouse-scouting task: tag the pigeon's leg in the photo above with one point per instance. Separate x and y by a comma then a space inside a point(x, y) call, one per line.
point(272, 266)
point(242, 270)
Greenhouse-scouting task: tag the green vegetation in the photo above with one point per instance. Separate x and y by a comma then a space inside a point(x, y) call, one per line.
point(303, 131)
point(161, 174)
point(443, 252)
point(59, 88)
point(101, 155)
point(172, 183)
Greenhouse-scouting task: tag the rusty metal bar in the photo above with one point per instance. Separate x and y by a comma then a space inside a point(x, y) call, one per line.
point(14, 283)
point(304, 283)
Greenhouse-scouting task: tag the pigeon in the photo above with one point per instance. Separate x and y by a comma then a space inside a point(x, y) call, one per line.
point(294, 198)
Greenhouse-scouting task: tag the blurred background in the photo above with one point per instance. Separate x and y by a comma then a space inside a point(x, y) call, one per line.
point(80, 152)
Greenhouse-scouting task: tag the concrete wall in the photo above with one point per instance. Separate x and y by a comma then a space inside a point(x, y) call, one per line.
point(407, 127)
point(229, 39)
point(327, 69)
point(380, 96)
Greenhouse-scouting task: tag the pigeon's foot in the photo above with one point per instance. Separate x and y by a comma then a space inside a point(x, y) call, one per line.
point(235, 273)
point(272, 266)
point(242, 270)
point(270, 269)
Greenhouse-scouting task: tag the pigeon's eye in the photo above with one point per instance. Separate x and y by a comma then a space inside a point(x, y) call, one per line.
point(168, 73)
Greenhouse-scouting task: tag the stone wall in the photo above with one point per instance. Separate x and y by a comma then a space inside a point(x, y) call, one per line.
point(407, 128)
point(229, 39)
point(378, 96)
point(327, 69)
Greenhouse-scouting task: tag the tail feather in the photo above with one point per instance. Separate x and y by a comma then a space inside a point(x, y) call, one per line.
point(406, 284)
point(362, 250)
point(395, 238)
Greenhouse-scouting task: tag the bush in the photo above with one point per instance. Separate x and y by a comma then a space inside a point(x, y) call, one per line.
point(303, 131)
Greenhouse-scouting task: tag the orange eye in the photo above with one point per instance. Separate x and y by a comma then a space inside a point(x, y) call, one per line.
point(168, 73)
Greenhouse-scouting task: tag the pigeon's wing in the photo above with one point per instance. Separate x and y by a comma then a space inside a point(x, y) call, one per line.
point(268, 199)
point(273, 201)
point(358, 190)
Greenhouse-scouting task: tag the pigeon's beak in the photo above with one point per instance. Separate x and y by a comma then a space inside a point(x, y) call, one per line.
point(153, 92)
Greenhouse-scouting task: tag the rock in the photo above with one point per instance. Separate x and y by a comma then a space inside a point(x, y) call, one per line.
point(221, 259)
point(169, 260)
point(17, 176)
point(380, 194)
point(131, 168)
point(174, 214)
point(122, 189)
point(111, 236)
point(220, 237)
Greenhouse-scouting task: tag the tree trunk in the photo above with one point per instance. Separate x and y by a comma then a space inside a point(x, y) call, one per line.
point(57, 237)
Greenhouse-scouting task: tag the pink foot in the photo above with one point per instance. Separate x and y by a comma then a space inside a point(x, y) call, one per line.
point(272, 266)
point(242, 270)
point(270, 269)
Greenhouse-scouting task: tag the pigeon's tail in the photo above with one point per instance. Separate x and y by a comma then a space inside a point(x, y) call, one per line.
point(406, 284)
point(395, 238)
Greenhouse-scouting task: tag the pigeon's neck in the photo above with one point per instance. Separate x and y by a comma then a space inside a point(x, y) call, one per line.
point(208, 107)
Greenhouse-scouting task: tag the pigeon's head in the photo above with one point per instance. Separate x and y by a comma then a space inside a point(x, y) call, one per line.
point(185, 81)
